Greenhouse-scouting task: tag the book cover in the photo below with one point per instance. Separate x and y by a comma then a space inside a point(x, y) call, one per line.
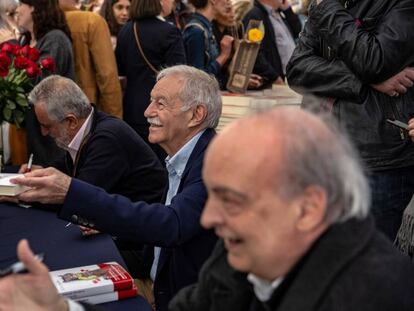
point(9, 189)
point(111, 296)
point(91, 280)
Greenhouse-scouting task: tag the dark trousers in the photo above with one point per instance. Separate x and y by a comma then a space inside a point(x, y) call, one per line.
point(391, 192)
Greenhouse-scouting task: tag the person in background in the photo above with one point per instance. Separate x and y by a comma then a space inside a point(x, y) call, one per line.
point(45, 28)
point(95, 64)
point(358, 58)
point(160, 46)
point(281, 29)
point(202, 48)
point(116, 14)
point(180, 15)
point(8, 20)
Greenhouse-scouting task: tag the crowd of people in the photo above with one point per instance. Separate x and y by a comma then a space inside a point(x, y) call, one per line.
point(289, 209)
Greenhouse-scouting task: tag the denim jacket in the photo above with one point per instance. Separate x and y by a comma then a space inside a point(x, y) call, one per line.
point(201, 46)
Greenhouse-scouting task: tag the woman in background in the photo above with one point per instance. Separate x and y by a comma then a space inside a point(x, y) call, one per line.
point(7, 20)
point(161, 44)
point(116, 14)
point(45, 29)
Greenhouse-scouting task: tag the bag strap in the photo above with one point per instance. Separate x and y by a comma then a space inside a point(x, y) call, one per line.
point(141, 51)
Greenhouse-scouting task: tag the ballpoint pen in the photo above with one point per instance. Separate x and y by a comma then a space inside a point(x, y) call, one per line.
point(18, 267)
point(29, 164)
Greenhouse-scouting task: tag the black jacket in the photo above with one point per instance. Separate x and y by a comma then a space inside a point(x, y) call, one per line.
point(116, 159)
point(162, 45)
point(350, 267)
point(341, 52)
point(268, 63)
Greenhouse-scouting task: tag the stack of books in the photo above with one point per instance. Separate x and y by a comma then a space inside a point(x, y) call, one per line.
point(95, 284)
point(236, 105)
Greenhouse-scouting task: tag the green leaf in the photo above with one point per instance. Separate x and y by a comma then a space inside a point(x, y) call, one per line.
point(7, 113)
point(22, 101)
point(11, 105)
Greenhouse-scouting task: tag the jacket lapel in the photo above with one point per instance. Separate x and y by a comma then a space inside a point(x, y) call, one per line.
point(198, 149)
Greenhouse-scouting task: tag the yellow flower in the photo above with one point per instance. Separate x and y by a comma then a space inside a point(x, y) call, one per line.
point(255, 35)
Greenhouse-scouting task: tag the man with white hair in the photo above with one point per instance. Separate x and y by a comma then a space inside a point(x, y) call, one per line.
point(184, 110)
point(290, 202)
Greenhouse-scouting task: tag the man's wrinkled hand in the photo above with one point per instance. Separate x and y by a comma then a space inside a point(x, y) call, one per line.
point(48, 186)
point(23, 168)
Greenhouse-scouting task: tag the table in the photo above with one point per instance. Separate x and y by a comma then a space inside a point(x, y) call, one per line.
point(64, 247)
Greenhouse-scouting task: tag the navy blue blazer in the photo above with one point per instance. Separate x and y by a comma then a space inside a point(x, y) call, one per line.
point(175, 227)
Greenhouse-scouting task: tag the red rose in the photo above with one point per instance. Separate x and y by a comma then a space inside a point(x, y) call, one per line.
point(8, 47)
point(34, 54)
point(25, 51)
point(48, 63)
point(32, 69)
point(21, 62)
point(4, 64)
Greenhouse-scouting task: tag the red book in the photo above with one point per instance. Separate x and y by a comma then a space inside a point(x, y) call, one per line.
point(91, 280)
point(108, 297)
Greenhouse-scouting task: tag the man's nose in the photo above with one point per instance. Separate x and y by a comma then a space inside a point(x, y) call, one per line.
point(150, 111)
point(211, 216)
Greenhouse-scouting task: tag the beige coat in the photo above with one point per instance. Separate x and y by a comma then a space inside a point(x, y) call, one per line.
point(95, 65)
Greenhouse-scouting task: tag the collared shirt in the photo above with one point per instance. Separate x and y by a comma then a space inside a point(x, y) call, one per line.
point(76, 142)
point(284, 40)
point(263, 289)
point(175, 166)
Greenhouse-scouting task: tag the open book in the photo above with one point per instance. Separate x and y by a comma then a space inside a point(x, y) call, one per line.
point(9, 189)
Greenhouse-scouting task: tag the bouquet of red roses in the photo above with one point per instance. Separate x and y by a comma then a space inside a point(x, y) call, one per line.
point(19, 66)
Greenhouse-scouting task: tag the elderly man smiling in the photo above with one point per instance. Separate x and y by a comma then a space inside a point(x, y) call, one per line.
point(184, 110)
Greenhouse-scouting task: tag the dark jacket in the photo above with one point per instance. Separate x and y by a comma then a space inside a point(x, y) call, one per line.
point(341, 52)
point(116, 159)
point(175, 227)
point(268, 63)
point(57, 45)
point(162, 45)
point(350, 267)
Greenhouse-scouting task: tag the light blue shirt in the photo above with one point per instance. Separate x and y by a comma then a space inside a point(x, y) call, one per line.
point(175, 166)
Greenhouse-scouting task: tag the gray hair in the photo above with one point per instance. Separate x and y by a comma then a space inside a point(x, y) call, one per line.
point(199, 88)
point(6, 6)
point(315, 151)
point(61, 96)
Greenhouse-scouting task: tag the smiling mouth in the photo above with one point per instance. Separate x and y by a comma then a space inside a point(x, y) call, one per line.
point(230, 243)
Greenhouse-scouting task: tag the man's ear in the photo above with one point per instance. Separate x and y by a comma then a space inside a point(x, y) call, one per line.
point(73, 121)
point(199, 116)
point(312, 208)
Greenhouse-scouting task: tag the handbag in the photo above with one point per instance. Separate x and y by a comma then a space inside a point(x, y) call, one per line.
point(141, 51)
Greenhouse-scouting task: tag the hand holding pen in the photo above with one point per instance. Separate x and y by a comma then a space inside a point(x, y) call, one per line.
point(33, 290)
point(28, 167)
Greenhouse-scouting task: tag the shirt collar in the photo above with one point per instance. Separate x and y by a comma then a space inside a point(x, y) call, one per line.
point(263, 289)
point(179, 160)
point(76, 142)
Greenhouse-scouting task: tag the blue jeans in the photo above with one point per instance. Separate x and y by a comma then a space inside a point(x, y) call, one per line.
point(391, 192)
